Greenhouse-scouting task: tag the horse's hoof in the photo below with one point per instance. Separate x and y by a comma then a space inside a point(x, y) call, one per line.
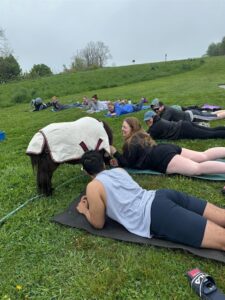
point(49, 193)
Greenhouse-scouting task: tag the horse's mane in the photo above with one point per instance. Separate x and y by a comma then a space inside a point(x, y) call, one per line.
point(108, 131)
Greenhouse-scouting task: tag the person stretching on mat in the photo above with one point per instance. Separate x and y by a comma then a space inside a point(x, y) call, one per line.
point(172, 114)
point(159, 128)
point(141, 152)
point(163, 213)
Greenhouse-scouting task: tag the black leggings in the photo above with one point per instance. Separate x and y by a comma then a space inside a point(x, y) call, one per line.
point(178, 217)
point(190, 130)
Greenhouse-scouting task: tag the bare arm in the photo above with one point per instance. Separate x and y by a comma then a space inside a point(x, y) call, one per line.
point(92, 205)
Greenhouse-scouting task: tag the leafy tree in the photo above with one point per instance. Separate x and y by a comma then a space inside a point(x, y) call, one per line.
point(216, 49)
point(79, 63)
point(213, 50)
point(94, 55)
point(9, 68)
point(222, 46)
point(40, 70)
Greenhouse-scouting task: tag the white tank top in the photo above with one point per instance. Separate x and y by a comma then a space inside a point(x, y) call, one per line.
point(126, 202)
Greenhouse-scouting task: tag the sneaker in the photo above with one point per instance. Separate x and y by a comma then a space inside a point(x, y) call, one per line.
point(203, 284)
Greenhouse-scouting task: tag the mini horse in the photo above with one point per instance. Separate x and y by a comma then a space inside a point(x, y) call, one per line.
point(66, 142)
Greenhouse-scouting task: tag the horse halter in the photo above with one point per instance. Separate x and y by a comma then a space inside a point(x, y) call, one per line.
point(85, 148)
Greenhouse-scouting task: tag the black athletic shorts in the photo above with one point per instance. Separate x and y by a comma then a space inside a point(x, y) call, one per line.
point(177, 217)
point(161, 155)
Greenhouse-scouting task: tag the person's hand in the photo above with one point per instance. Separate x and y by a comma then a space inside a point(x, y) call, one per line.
point(112, 150)
point(113, 163)
point(82, 206)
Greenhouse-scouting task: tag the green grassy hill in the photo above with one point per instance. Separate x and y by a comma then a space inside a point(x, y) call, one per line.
point(53, 262)
point(73, 83)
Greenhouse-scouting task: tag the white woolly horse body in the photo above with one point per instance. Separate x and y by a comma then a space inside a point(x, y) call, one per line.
point(65, 142)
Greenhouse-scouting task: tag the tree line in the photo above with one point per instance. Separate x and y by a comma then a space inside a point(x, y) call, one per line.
point(216, 49)
point(10, 68)
point(94, 55)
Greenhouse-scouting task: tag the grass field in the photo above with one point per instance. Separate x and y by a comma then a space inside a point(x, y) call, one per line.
point(73, 83)
point(42, 260)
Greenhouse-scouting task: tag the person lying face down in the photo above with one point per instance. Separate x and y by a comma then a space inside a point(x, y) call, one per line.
point(38, 104)
point(162, 213)
point(96, 105)
point(172, 114)
point(57, 106)
point(140, 151)
point(122, 108)
point(160, 128)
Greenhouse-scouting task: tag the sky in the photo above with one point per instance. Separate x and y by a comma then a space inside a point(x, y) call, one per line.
point(52, 31)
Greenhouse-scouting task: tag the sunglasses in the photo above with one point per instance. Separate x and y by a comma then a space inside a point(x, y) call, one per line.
point(155, 108)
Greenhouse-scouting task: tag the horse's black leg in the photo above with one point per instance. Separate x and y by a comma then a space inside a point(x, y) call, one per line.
point(45, 170)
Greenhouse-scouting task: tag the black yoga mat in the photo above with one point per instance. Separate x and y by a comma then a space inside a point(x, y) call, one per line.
point(70, 217)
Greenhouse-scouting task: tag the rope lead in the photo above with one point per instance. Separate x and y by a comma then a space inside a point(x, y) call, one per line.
point(33, 198)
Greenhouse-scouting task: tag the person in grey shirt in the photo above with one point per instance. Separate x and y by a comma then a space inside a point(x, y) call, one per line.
point(163, 213)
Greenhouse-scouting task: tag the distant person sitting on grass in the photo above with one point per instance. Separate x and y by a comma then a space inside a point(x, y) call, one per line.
point(159, 128)
point(57, 106)
point(163, 213)
point(118, 108)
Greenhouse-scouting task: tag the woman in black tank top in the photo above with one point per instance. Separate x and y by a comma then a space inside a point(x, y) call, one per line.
point(140, 151)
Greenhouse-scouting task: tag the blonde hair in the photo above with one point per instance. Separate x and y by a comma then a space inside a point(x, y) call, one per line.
point(110, 103)
point(137, 135)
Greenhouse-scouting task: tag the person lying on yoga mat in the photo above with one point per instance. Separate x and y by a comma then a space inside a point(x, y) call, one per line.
point(172, 114)
point(163, 213)
point(141, 152)
point(159, 128)
point(118, 108)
